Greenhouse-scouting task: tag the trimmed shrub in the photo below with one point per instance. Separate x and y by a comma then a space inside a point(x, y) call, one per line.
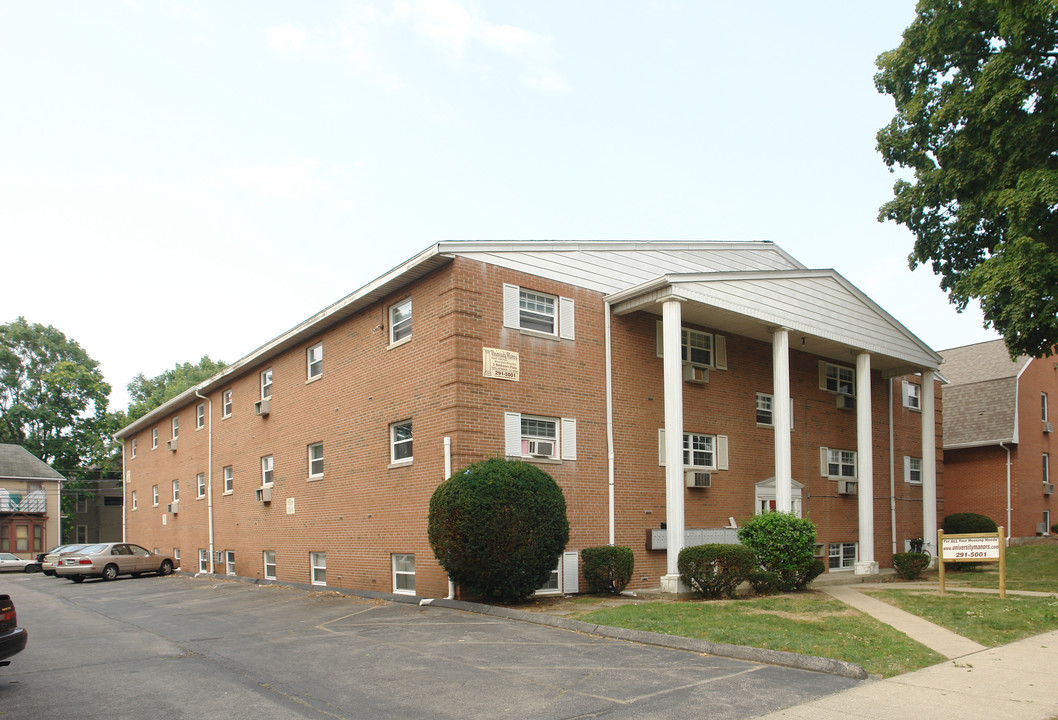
point(964, 523)
point(784, 544)
point(498, 528)
point(607, 568)
point(1054, 528)
point(764, 582)
point(715, 570)
point(816, 568)
point(910, 565)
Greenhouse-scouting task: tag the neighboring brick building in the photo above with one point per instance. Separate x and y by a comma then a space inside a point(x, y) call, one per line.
point(29, 502)
point(313, 459)
point(997, 437)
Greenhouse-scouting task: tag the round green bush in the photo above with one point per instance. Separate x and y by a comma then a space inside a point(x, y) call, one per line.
point(784, 544)
point(498, 528)
point(910, 565)
point(966, 523)
point(607, 568)
point(715, 570)
point(764, 582)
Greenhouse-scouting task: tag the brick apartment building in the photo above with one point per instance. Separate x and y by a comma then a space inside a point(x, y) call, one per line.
point(997, 437)
point(674, 385)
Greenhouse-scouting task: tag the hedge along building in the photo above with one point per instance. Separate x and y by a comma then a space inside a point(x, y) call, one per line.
point(671, 385)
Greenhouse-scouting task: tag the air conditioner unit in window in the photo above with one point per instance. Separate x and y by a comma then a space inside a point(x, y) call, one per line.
point(846, 402)
point(847, 487)
point(264, 494)
point(698, 479)
point(1048, 488)
point(174, 507)
point(541, 448)
point(262, 407)
point(695, 374)
point(1041, 528)
point(1047, 427)
point(171, 444)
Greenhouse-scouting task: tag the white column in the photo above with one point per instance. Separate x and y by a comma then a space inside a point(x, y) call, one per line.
point(866, 565)
point(929, 463)
point(671, 319)
point(780, 408)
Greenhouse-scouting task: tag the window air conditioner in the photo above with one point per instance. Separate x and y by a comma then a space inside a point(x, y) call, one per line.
point(1041, 528)
point(264, 494)
point(695, 374)
point(174, 507)
point(847, 487)
point(171, 444)
point(1047, 427)
point(698, 479)
point(1048, 488)
point(262, 407)
point(541, 448)
point(846, 402)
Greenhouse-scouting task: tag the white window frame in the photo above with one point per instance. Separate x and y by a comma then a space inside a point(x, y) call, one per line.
point(176, 555)
point(1046, 467)
point(536, 310)
point(315, 460)
point(318, 568)
point(838, 551)
point(394, 443)
point(719, 450)
point(225, 401)
point(530, 438)
point(841, 458)
point(201, 483)
point(229, 562)
point(229, 479)
point(133, 447)
point(176, 491)
point(690, 451)
point(155, 490)
point(266, 384)
point(831, 374)
point(203, 560)
point(912, 395)
point(400, 322)
point(687, 348)
point(174, 425)
point(912, 470)
point(267, 471)
point(1043, 405)
point(516, 440)
point(563, 315)
point(765, 405)
point(269, 558)
point(314, 361)
point(133, 499)
point(200, 416)
point(402, 576)
point(154, 438)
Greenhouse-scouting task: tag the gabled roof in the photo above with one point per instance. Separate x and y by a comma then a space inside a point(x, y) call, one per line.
point(980, 362)
point(17, 463)
point(980, 403)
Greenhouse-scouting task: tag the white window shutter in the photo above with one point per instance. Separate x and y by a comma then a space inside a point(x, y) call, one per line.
point(720, 343)
point(565, 318)
point(511, 312)
point(512, 434)
point(661, 447)
point(907, 468)
point(721, 452)
point(570, 572)
point(904, 394)
point(569, 439)
point(791, 414)
point(824, 460)
point(822, 375)
point(660, 340)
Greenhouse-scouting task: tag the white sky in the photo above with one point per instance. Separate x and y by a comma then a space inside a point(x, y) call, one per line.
point(186, 178)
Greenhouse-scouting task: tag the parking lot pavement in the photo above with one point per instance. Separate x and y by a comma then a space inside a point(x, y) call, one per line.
point(181, 647)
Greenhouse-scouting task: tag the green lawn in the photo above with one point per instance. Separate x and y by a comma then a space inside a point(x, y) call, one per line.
point(1029, 567)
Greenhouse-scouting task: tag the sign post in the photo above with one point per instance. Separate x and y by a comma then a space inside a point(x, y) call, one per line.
point(973, 547)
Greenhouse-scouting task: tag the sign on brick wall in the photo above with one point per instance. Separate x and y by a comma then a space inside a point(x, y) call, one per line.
point(502, 364)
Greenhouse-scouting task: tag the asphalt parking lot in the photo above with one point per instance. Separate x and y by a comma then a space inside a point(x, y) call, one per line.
point(183, 647)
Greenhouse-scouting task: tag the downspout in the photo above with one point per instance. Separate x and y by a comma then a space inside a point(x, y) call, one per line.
point(892, 469)
point(448, 474)
point(124, 499)
point(209, 477)
point(609, 425)
point(1009, 508)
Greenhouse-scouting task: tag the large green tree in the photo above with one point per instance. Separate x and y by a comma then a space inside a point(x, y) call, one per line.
point(976, 89)
point(145, 393)
point(53, 398)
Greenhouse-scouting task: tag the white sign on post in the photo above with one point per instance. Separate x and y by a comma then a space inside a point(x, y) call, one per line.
point(963, 548)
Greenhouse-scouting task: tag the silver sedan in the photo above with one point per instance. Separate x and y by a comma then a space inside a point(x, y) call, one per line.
point(108, 560)
point(13, 563)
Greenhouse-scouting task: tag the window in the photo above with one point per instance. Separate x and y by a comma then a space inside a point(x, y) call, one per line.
point(532, 436)
point(536, 311)
point(133, 447)
point(270, 564)
point(400, 441)
point(266, 384)
point(81, 505)
point(176, 555)
point(21, 538)
point(201, 482)
point(838, 463)
point(266, 470)
point(1043, 408)
point(1046, 468)
point(912, 395)
point(38, 538)
point(539, 437)
point(1046, 522)
point(837, 379)
point(698, 450)
point(316, 460)
point(404, 574)
point(229, 562)
point(696, 347)
point(913, 470)
point(133, 499)
point(225, 399)
point(318, 563)
point(203, 560)
point(154, 489)
point(82, 534)
point(175, 422)
point(5, 538)
point(154, 438)
point(111, 501)
point(176, 490)
point(400, 322)
point(314, 358)
point(764, 409)
point(200, 416)
point(229, 479)
point(842, 556)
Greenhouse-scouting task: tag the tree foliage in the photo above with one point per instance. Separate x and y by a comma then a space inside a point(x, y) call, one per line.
point(53, 398)
point(145, 393)
point(498, 528)
point(976, 89)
